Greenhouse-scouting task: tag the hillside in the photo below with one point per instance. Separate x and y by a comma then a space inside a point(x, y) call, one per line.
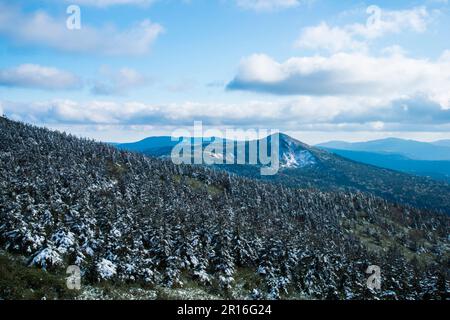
point(133, 221)
point(303, 166)
point(439, 170)
point(442, 143)
point(415, 150)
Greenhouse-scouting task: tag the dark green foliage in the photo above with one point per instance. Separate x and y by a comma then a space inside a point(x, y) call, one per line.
point(128, 219)
point(19, 282)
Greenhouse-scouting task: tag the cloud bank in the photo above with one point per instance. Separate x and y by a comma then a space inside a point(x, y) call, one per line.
point(347, 74)
point(38, 77)
point(108, 3)
point(416, 113)
point(267, 5)
point(118, 82)
point(42, 30)
point(357, 36)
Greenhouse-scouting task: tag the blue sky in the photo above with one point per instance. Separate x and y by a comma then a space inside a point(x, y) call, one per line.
point(317, 69)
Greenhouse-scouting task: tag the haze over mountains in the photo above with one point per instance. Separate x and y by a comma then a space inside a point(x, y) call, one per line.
point(429, 159)
point(415, 150)
point(442, 143)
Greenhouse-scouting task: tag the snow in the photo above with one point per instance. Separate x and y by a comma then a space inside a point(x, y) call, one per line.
point(155, 226)
point(300, 159)
point(203, 276)
point(63, 241)
point(93, 293)
point(106, 269)
point(262, 270)
point(89, 251)
point(47, 257)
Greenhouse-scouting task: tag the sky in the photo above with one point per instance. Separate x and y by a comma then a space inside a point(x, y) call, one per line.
point(319, 70)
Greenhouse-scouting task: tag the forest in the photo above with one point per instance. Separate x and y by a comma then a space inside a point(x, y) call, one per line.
point(128, 219)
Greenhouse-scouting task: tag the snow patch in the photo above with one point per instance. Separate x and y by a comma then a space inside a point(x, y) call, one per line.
point(300, 159)
point(106, 269)
point(47, 257)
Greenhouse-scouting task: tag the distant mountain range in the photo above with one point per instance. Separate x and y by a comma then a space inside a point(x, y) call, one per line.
point(153, 143)
point(421, 158)
point(442, 143)
point(309, 167)
point(439, 170)
point(415, 150)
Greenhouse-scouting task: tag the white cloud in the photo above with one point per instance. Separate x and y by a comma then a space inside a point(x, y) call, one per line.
point(117, 82)
point(445, 57)
point(267, 5)
point(394, 50)
point(301, 113)
point(333, 39)
point(350, 74)
point(38, 77)
point(107, 3)
point(41, 29)
point(261, 66)
point(356, 37)
point(384, 22)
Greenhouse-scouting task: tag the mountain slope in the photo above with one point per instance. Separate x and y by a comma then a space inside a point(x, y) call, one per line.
point(148, 143)
point(154, 143)
point(303, 166)
point(442, 143)
point(409, 148)
point(133, 220)
point(439, 170)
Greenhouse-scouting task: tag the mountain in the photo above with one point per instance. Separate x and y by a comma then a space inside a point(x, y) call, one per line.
point(295, 154)
point(148, 143)
point(155, 143)
point(442, 143)
point(303, 166)
point(141, 227)
point(439, 170)
point(408, 148)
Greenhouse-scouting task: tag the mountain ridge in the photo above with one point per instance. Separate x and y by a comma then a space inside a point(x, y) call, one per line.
point(305, 166)
point(438, 170)
point(415, 150)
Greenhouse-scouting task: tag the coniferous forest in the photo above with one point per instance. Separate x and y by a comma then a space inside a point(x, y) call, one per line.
point(141, 223)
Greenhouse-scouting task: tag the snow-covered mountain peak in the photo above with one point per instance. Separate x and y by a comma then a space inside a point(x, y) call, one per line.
point(295, 154)
point(299, 159)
